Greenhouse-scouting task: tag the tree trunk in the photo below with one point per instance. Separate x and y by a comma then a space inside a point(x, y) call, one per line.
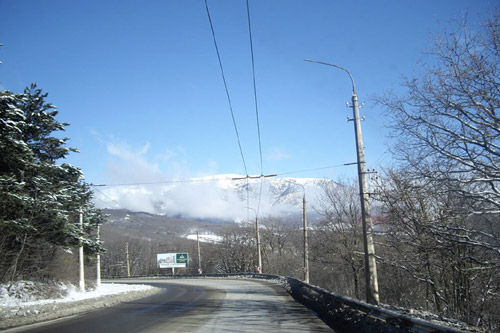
point(16, 261)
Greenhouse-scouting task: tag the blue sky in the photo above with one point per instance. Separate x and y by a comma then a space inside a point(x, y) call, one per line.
point(140, 84)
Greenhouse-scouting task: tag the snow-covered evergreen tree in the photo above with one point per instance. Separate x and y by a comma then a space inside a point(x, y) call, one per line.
point(40, 199)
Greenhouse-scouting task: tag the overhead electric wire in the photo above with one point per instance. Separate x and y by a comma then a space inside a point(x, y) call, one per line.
point(225, 86)
point(256, 105)
point(192, 180)
point(315, 169)
point(255, 87)
point(228, 97)
point(106, 204)
point(217, 178)
point(234, 123)
point(113, 200)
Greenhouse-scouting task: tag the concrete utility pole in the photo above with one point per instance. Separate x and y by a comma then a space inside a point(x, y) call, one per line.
point(372, 295)
point(199, 252)
point(258, 244)
point(98, 282)
point(259, 268)
point(306, 240)
point(82, 265)
point(128, 259)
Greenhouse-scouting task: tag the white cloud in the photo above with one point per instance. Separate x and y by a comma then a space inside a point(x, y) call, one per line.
point(167, 155)
point(123, 150)
point(128, 165)
point(277, 155)
point(138, 165)
point(172, 191)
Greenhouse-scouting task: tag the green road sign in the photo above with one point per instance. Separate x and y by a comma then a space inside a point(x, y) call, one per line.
point(182, 258)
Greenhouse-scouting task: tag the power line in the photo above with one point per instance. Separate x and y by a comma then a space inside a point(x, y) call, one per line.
point(253, 177)
point(316, 169)
point(256, 104)
point(113, 200)
point(106, 204)
point(215, 178)
point(192, 180)
point(225, 87)
point(254, 86)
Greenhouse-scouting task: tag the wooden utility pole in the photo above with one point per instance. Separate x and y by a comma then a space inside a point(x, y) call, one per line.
point(371, 280)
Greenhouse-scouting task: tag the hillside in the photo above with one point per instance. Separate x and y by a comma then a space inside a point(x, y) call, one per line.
point(140, 225)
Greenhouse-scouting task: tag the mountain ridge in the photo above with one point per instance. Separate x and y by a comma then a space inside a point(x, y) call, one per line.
point(221, 197)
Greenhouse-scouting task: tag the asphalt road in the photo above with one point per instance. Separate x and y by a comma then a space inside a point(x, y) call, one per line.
point(197, 305)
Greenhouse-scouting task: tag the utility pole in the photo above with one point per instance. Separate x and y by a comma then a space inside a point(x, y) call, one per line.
point(306, 229)
point(98, 282)
point(371, 280)
point(306, 240)
point(258, 244)
point(199, 252)
point(82, 265)
point(372, 295)
point(128, 259)
point(259, 268)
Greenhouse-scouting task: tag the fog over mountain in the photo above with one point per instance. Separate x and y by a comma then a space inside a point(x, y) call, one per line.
point(219, 197)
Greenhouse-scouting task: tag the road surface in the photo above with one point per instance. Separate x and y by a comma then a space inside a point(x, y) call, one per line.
point(197, 305)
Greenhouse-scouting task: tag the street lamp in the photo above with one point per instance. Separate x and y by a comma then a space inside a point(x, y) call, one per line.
point(372, 295)
point(259, 268)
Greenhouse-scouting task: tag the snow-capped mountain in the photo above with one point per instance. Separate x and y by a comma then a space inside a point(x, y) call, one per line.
point(217, 197)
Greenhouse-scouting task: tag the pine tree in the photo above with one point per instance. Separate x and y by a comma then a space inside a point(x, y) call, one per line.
point(40, 199)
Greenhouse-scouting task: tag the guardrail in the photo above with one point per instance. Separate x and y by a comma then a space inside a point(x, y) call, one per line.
point(341, 313)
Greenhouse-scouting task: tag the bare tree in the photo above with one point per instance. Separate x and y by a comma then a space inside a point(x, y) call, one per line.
point(423, 264)
point(282, 250)
point(444, 202)
point(447, 123)
point(339, 238)
point(237, 251)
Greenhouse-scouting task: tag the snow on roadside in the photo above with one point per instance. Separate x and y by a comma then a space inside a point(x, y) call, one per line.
point(27, 293)
point(26, 302)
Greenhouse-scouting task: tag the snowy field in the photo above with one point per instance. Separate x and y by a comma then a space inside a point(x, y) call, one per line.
point(26, 302)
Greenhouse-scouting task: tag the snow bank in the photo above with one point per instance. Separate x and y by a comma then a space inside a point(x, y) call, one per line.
point(28, 293)
point(26, 302)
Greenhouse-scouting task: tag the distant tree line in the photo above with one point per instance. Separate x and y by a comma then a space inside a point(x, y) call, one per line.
point(40, 197)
